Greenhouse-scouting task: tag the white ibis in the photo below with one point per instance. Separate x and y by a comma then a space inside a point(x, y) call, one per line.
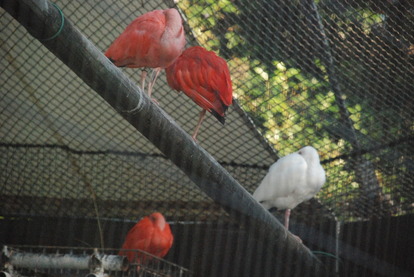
point(291, 180)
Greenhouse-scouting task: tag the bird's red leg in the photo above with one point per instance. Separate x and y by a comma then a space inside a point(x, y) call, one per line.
point(143, 77)
point(200, 120)
point(154, 76)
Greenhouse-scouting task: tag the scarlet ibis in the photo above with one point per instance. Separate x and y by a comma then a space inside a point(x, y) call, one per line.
point(154, 40)
point(293, 179)
point(205, 78)
point(151, 234)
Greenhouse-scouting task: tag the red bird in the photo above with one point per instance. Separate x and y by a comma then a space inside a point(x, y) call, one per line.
point(154, 40)
point(205, 78)
point(151, 234)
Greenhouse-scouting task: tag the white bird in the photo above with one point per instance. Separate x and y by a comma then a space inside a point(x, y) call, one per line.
point(291, 180)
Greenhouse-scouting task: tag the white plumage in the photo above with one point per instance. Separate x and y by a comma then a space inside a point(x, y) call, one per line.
point(293, 179)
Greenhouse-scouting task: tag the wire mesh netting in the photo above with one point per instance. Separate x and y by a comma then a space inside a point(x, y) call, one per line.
point(334, 74)
point(337, 75)
point(90, 146)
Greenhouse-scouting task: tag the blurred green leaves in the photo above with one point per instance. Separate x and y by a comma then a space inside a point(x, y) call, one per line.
point(275, 52)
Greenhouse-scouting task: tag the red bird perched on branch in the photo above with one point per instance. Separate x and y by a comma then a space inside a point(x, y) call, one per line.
point(154, 40)
point(205, 78)
point(151, 234)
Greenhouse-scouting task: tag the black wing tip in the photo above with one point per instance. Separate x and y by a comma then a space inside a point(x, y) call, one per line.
point(114, 62)
point(220, 118)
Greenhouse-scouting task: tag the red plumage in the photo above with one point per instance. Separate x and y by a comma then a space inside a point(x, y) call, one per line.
point(154, 40)
point(205, 78)
point(151, 234)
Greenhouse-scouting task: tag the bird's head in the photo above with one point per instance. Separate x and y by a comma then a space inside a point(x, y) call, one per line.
point(158, 220)
point(309, 154)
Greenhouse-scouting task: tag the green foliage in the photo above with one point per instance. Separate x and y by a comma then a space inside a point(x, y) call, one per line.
point(278, 64)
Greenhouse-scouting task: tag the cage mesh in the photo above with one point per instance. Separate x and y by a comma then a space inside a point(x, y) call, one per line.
point(337, 75)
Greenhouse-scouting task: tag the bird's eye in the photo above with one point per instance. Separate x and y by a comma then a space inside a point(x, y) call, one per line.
point(300, 152)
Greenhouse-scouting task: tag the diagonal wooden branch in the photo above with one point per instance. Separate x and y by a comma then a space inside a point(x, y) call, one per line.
point(88, 62)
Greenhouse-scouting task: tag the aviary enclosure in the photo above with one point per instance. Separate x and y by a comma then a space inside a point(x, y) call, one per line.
point(80, 165)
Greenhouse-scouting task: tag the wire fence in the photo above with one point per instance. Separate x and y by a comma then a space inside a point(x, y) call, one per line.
point(336, 75)
point(333, 74)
